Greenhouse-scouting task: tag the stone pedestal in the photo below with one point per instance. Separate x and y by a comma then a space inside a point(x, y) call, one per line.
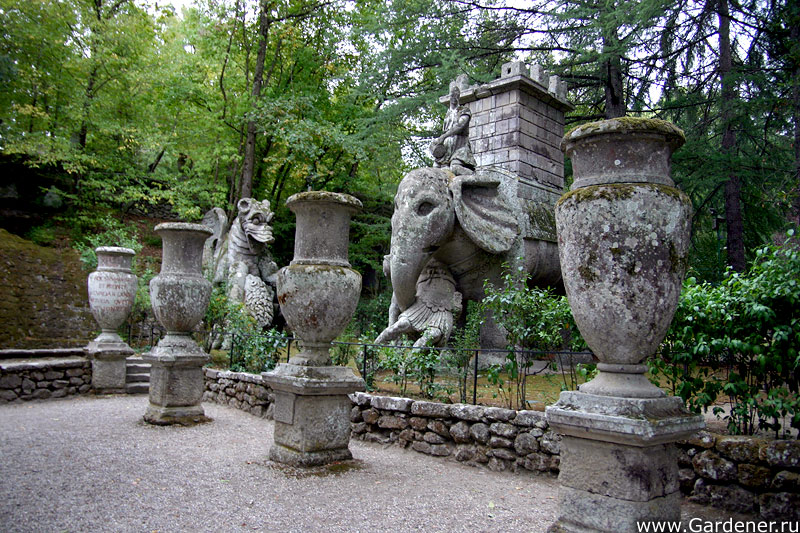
point(108, 366)
point(176, 383)
point(618, 460)
point(312, 413)
point(180, 296)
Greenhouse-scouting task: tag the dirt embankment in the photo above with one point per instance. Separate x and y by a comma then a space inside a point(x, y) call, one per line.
point(43, 296)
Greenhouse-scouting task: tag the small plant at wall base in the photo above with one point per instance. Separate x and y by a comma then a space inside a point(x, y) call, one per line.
point(462, 347)
point(740, 339)
point(534, 319)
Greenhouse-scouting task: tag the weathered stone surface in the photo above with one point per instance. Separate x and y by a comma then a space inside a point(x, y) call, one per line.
point(355, 414)
point(537, 462)
point(439, 427)
point(10, 381)
point(389, 403)
point(686, 478)
point(370, 416)
point(418, 423)
point(8, 395)
point(499, 413)
point(41, 394)
point(464, 453)
point(440, 450)
point(471, 413)
point(359, 428)
point(479, 432)
point(392, 422)
point(753, 475)
point(496, 464)
point(430, 409)
point(433, 438)
point(500, 442)
point(503, 453)
point(780, 506)
point(460, 432)
point(710, 465)
point(525, 443)
point(529, 418)
point(700, 492)
point(406, 435)
point(783, 453)
point(732, 498)
point(362, 399)
point(786, 481)
point(504, 430)
point(740, 448)
point(550, 442)
point(421, 447)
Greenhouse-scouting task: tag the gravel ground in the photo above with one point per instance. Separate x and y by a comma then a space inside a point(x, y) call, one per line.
point(91, 464)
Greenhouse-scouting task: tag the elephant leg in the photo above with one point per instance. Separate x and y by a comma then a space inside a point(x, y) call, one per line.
point(395, 330)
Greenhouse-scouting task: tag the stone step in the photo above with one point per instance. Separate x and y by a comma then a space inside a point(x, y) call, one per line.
point(137, 368)
point(138, 378)
point(137, 388)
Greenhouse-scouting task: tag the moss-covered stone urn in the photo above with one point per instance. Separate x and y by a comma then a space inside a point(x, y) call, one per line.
point(318, 291)
point(623, 236)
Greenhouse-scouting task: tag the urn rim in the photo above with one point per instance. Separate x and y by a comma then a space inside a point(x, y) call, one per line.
point(114, 250)
point(672, 134)
point(183, 226)
point(318, 197)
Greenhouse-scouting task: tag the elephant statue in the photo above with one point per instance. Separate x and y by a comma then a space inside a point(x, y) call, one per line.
point(471, 224)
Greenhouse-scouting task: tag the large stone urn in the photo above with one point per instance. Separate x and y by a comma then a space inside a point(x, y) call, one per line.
point(112, 292)
point(318, 293)
point(623, 236)
point(179, 296)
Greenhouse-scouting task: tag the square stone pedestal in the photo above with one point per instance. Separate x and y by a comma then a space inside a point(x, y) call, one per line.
point(108, 365)
point(176, 387)
point(311, 413)
point(618, 460)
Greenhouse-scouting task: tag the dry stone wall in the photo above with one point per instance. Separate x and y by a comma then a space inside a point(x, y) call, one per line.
point(38, 380)
point(736, 473)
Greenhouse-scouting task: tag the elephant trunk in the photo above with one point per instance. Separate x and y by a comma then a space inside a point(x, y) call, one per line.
point(405, 268)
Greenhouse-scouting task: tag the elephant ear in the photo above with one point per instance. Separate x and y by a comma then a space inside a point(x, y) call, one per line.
point(485, 210)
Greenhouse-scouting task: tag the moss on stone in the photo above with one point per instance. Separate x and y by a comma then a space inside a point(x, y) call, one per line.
point(624, 125)
point(619, 191)
point(325, 197)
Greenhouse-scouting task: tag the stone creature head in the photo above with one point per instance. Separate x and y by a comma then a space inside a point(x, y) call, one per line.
point(254, 219)
point(432, 203)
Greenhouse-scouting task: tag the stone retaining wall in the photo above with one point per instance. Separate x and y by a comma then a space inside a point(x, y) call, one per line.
point(240, 390)
point(46, 378)
point(741, 474)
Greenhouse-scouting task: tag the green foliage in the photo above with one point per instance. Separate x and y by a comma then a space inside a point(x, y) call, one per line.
point(43, 235)
point(462, 348)
point(534, 319)
point(114, 233)
point(372, 314)
point(740, 339)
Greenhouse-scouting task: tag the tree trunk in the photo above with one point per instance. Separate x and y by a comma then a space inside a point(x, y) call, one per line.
point(733, 186)
point(612, 77)
point(248, 165)
point(87, 103)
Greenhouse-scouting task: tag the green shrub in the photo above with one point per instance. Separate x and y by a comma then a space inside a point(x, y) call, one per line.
point(740, 339)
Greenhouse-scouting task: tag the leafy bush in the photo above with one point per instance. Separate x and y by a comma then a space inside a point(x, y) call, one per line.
point(740, 339)
point(534, 319)
point(115, 234)
point(462, 347)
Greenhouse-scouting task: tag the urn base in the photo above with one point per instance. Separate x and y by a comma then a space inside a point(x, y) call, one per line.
point(312, 413)
point(176, 387)
point(618, 464)
point(108, 353)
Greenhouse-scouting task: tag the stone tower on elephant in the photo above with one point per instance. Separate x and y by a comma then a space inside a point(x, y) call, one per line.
point(471, 224)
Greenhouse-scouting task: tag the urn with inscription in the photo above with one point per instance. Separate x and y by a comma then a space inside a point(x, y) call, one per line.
point(112, 292)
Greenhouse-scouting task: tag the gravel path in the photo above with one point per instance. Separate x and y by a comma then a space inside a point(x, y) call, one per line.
point(90, 464)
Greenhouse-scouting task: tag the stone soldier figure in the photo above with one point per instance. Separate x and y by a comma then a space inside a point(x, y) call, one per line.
point(452, 148)
point(433, 313)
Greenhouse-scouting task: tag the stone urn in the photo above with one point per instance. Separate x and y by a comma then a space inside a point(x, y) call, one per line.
point(318, 293)
point(112, 292)
point(179, 296)
point(623, 237)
